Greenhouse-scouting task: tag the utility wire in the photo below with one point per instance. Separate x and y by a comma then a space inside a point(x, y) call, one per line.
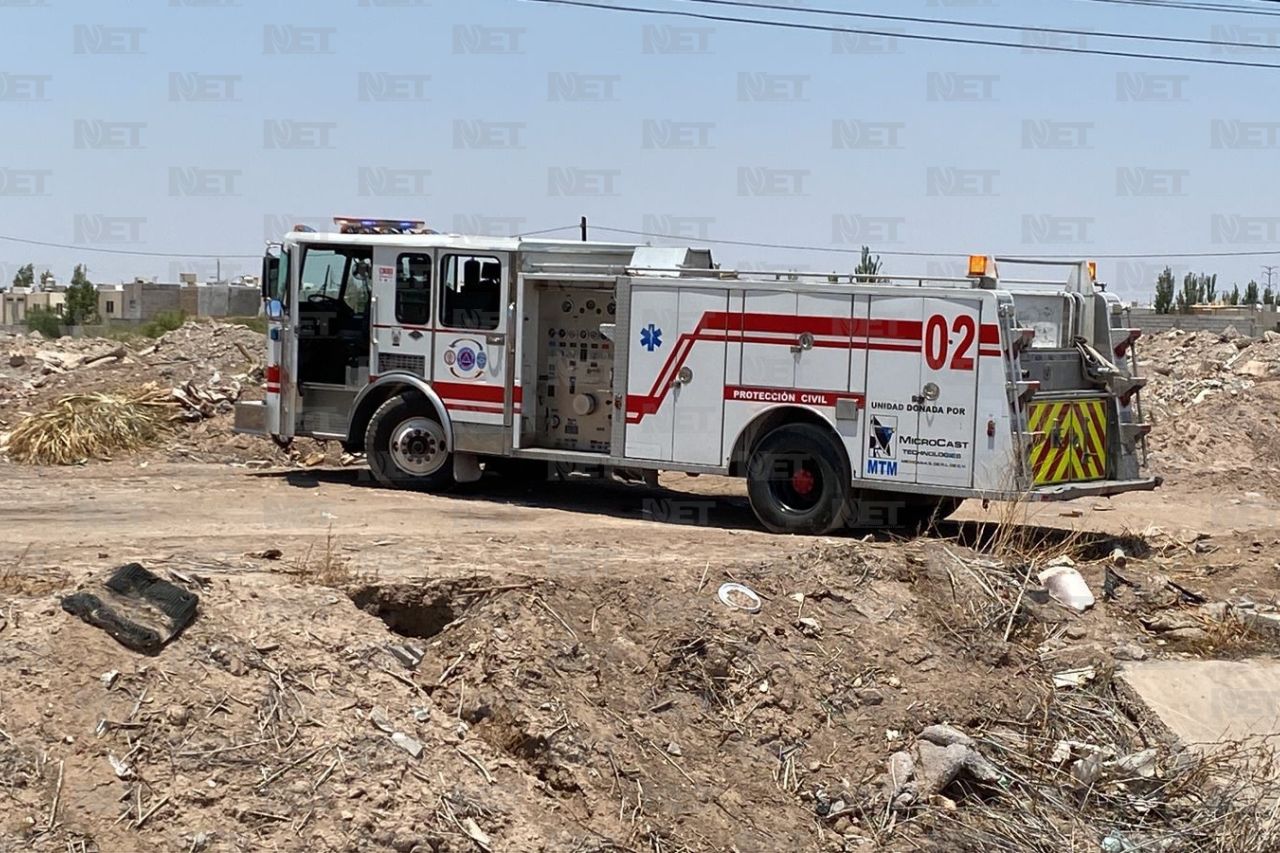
point(142, 253)
point(841, 251)
point(1190, 6)
point(793, 25)
point(984, 26)
point(82, 248)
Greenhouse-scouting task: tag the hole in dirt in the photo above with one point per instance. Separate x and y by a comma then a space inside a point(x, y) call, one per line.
point(410, 611)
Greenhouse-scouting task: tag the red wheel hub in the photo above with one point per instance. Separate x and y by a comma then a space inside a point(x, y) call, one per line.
point(802, 481)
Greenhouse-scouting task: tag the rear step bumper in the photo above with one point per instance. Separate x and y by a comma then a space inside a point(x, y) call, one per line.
point(1097, 488)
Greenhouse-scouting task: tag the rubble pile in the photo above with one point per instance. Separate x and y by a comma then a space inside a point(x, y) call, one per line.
point(1213, 401)
point(203, 368)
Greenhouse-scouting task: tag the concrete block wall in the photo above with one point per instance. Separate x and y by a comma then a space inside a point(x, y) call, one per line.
point(1252, 323)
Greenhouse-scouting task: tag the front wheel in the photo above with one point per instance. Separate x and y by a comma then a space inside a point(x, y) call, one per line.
point(798, 480)
point(407, 446)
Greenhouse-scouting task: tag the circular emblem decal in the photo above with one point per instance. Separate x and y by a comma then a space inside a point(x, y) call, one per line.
point(449, 357)
point(466, 358)
point(481, 360)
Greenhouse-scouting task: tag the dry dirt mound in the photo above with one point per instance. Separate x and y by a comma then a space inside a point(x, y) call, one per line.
point(1214, 400)
point(512, 714)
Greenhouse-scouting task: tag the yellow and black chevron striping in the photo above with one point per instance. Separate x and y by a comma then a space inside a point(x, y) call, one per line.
point(1071, 440)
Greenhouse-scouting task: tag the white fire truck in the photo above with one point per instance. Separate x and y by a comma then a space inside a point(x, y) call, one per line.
point(440, 355)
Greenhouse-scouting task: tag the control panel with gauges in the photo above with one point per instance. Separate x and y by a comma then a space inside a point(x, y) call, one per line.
point(575, 368)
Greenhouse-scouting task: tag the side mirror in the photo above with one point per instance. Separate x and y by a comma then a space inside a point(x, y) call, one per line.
point(270, 269)
point(275, 309)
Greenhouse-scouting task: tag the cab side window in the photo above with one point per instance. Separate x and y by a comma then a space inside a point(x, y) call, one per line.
point(472, 292)
point(413, 289)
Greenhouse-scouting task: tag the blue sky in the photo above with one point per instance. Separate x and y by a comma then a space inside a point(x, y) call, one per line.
point(204, 126)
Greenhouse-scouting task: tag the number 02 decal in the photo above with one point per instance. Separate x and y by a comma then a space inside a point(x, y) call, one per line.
point(937, 341)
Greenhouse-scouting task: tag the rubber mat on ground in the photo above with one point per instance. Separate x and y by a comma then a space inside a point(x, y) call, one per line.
point(138, 609)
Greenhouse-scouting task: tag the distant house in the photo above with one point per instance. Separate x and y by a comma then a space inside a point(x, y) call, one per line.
point(17, 302)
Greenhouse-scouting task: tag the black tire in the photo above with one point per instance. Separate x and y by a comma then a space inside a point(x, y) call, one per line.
point(798, 480)
point(405, 444)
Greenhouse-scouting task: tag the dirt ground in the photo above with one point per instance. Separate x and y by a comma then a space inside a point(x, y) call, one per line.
point(549, 666)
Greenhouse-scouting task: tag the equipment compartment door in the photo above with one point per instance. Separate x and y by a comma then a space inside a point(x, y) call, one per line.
point(892, 341)
point(697, 382)
point(942, 448)
point(652, 355)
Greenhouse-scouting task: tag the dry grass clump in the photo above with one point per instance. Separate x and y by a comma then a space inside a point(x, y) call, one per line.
point(1219, 800)
point(80, 427)
point(324, 566)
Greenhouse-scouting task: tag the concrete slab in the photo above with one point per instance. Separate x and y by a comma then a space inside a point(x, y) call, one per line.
point(1210, 701)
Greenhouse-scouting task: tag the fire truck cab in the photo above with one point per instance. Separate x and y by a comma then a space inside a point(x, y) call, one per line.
point(841, 400)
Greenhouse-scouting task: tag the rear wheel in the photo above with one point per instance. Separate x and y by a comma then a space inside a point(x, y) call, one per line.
point(407, 447)
point(798, 480)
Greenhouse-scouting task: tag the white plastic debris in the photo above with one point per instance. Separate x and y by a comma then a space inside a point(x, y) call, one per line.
point(1067, 587)
point(736, 596)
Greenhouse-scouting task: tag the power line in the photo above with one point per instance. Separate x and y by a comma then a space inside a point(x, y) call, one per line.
point(793, 25)
point(842, 251)
point(1191, 6)
point(984, 26)
point(82, 248)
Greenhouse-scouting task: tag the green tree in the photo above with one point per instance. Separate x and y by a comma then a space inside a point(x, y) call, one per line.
point(1233, 298)
point(82, 299)
point(1268, 296)
point(1209, 287)
point(1164, 292)
point(869, 266)
point(46, 279)
point(25, 277)
point(1251, 293)
point(1190, 294)
point(42, 320)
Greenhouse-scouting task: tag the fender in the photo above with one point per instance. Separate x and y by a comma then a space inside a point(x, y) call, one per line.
point(396, 378)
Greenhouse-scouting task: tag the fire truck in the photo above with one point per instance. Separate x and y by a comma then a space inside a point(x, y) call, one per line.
point(440, 356)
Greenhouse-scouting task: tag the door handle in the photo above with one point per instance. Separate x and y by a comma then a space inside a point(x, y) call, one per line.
point(495, 340)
